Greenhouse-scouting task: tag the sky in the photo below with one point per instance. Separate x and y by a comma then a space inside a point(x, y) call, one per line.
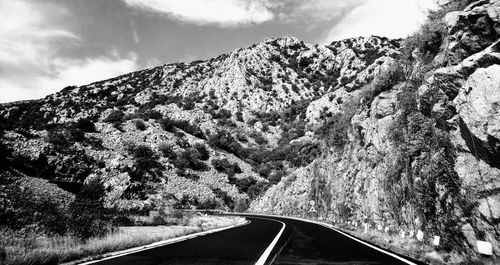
point(46, 45)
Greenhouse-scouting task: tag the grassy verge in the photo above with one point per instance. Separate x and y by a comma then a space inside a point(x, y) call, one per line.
point(57, 249)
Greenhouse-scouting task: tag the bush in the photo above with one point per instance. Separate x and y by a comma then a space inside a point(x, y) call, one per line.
point(150, 115)
point(189, 159)
point(223, 165)
point(85, 125)
point(58, 137)
point(202, 150)
point(140, 125)
point(158, 220)
point(76, 134)
point(145, 158)
point(88, 216)
point(226, 199)
point(32, 202)
point(188, 175)
point(167, 124)
point(167, 151)
point(225, 141)
point(115, 116)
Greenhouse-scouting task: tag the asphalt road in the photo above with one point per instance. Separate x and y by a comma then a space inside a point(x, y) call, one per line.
point(300, 243)
point(240, 245)
point(308, 243)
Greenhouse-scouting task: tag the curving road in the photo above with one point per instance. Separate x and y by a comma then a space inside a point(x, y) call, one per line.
point(266, 240)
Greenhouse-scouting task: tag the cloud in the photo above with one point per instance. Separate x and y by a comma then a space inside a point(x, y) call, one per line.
point(233, 13)
point(134, 32)
point(219, 12)
point(316, 10)
point(68, 72)
point(389, 18)
point(30, 43)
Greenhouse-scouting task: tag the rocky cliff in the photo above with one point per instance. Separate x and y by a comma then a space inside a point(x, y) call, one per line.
point(422, 147)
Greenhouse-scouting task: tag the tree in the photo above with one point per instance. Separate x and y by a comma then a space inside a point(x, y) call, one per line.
point(85, 125)
point(88, 216)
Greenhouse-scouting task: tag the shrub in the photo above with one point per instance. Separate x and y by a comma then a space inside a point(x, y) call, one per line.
point(226, 199)
point(158, 220)
point(150, 115)
point(57, 137)
point(223, 165)
point(32, 202)
point(257, 189)
point(258, 137)
point(202, 150)
point(118, 125)
point(115, 116)
point(225, 141)
point(167, 150)
point(88, 216)
point(140, 125)
point(85, 125)
point(167, 124)
point(76, 134)
point(239, 116)
point(189, 159)
point(188, 175)
point(145, 158)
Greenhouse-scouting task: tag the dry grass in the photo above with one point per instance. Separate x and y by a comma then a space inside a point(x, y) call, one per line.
point(54, 250)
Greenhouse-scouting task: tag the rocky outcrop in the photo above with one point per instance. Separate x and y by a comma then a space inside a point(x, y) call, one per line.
point(458, 100)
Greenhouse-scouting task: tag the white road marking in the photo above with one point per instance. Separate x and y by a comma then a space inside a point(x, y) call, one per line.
point(375, 247)
point(156, 245)
point(267, 252)
point(347, 235)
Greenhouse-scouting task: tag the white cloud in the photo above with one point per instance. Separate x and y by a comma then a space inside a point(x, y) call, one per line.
point(67, 72)
point(29, 44)
point(219, 12)
point(389, 18)
point(134, 32)
point(317, 10)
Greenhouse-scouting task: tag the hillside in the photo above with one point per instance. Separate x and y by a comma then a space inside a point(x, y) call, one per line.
point(423, 152)
point(370, 128)
point(218, 131)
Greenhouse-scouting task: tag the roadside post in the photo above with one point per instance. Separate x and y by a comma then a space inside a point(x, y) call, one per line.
point(420, 235)
point(436, 240)
point(484, 248)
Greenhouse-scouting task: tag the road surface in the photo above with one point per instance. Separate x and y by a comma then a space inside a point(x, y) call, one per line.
point(299, 243)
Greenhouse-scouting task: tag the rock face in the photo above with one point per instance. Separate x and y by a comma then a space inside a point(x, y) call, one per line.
point(383, 171)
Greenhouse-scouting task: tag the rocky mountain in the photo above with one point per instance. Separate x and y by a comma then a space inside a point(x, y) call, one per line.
point(218, 131)
point(370, 128)
point(421, 152)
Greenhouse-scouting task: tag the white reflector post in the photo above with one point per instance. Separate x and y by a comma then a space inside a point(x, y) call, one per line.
point(436, 240)
point(366, 227)
point(484, 248)
point(420, 235)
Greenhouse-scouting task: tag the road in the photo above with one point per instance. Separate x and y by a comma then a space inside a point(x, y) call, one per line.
point(300, 243)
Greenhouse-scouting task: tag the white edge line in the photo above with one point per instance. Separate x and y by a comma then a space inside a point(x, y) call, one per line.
point(375, 247)
point(268, 250)
point(347, 235)
point(155, 245)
